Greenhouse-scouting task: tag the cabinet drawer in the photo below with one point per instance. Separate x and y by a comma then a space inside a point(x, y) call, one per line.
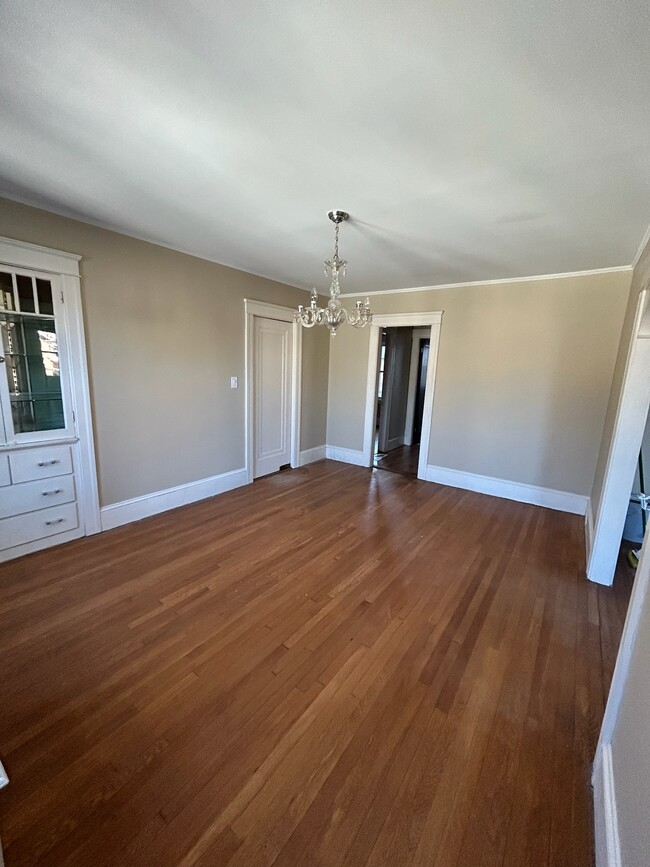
point(41, 463)
point(40, 494)
point(38, 525)
point(5, 478)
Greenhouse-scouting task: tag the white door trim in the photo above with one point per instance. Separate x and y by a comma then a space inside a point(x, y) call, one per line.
point(640, 592)
point(606, 828)
point(608, 853)
point(66, 265)
point(397, 320)
point(264, 310)
point(627, 436)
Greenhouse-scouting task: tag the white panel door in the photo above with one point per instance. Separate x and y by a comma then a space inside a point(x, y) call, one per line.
point(272, 395)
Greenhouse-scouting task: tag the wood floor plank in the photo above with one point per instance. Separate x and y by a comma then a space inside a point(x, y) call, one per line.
point(331, 666)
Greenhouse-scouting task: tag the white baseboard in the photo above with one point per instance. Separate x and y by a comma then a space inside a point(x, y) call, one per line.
point(127, 511)
point(309, 456)
point(346, 456)
point(395, 443)
point(561, 501)
point(608, 844)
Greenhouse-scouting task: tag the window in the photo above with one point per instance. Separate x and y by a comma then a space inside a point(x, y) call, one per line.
point(31, 389)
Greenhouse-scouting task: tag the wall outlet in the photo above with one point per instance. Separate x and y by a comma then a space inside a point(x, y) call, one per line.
point(233, 382)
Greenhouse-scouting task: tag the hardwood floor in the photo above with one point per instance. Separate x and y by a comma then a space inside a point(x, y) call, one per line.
point(332, 666)
point(401, 460)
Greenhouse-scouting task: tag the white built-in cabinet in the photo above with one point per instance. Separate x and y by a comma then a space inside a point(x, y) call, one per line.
point(48, 486)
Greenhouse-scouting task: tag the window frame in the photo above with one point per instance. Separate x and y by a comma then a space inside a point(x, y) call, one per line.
point(10, 436)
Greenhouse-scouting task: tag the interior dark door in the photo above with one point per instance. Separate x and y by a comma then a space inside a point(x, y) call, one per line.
point(423, 362)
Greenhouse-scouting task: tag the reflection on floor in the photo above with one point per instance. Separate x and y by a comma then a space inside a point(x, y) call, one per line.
point(401, 460)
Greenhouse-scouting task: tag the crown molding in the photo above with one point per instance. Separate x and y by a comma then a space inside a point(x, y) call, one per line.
point(615, 270)
point(68, 215)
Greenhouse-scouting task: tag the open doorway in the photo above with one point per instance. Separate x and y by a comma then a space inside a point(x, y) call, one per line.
point(431, 321)
point(605, 527)
point(401, 387)
point(636, 521)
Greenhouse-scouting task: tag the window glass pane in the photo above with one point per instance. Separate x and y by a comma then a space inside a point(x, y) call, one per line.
point(44, 293)
point(25, 293)
point(32, 369)
point(6, 291)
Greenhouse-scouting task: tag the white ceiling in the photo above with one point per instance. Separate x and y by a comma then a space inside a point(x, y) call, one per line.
point(469, 140)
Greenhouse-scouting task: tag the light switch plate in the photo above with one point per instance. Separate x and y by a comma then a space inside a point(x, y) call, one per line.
point(233, 382)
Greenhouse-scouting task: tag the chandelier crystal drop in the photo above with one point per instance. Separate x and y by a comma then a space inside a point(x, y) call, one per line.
point(334, 314)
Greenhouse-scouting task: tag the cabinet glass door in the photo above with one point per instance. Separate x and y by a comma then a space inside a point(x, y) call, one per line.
point(33, 391)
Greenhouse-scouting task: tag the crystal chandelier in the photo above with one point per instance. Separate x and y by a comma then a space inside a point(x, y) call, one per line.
point(334, 314)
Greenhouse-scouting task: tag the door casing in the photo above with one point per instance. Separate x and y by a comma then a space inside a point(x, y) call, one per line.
point(433, 320)
point(604, 529)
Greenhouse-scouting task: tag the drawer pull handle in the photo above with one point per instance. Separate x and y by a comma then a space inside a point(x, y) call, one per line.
point(55, 491)
point(48, 463)
point(54, 521)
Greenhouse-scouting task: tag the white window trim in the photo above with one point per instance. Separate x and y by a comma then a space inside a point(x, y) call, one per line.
point(284, 314)
point(66, 266)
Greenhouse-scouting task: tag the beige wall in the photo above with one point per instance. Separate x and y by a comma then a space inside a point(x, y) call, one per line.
point(165, 332)
point(524, 373)
point(640, 280)
point(523, 378)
